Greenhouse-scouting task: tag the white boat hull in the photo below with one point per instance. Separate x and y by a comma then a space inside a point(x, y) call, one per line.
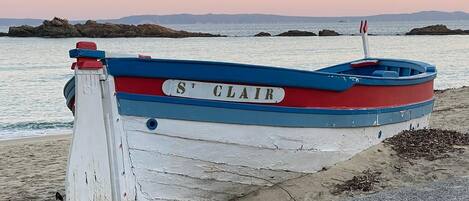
point(184, 160)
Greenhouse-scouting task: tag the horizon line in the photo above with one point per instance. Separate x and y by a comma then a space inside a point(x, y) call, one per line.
point(414, 12)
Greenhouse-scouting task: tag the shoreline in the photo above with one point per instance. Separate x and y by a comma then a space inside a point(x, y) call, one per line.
point(62, 28)
point(240, 36)
point(35, 138)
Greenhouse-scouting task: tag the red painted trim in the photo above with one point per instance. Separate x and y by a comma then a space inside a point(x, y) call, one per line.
point(361, 26)
point(87, 45)
point(364, 63)
point(71, 105)
point(365, 27)
point(359, 96)
point(87, 63)
point(141, 56)
point(134, 85)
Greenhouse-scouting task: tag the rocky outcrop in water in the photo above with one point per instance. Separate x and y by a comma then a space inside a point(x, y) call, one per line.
point(297, 33)
point(327, 32)
point(263, 34)
point(55, 28)
point(61, 28)
point(3, 34)
point(437, 30)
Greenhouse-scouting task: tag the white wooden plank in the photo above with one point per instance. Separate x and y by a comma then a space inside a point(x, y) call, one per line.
point(154, 191)
point(209, 185)
point(297, 161)
point(123, 179)
point(207, 170)
point(256, 157)
point(257, 136)
point(320, 139)
point(88, 171)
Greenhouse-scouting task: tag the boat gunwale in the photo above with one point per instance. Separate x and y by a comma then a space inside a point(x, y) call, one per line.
point(318, 71)
point(331, 81)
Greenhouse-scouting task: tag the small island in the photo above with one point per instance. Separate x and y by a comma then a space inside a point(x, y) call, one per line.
point(61, 28)
point(437, 30)
point(327, 32)
point(297, 33)
point(263, 34)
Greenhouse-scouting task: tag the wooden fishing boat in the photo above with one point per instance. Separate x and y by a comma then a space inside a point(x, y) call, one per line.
point(158, 129)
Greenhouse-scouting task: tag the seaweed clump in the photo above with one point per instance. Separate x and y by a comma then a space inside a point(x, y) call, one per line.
point(364, 182)
point(429, 144)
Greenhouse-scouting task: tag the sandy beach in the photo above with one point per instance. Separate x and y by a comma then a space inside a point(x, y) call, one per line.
point(34, 168)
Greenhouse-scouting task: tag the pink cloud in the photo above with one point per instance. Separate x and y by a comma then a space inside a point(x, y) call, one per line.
point(92, 9)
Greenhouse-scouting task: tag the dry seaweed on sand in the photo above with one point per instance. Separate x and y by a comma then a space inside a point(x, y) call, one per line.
point(364, 182)
point(430, 144)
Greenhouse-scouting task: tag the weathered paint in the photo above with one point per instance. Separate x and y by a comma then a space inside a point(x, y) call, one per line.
point(123, 177)
point(264, 137)
point(115, 156)
point(88, 175)
point(214, 161)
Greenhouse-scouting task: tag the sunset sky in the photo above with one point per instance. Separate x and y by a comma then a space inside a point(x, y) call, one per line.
point(102, 9)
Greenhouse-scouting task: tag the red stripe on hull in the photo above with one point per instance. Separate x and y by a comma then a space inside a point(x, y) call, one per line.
point(147, 86)
point(359, 96)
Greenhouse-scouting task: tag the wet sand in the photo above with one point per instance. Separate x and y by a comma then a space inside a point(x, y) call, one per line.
point(34, 168)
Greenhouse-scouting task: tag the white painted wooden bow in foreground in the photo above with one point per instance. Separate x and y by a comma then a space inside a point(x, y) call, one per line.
point(98, 166)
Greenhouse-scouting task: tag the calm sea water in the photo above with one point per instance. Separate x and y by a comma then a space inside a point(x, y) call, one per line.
point(34, 70)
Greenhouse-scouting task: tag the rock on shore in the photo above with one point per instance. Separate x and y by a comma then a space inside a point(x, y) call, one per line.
point(297, 33)
point(263, 34)
point(61, 28)
point(437, 30)
point(327, 32)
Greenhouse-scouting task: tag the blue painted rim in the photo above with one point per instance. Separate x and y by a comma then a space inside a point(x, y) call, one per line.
point(259, 107)
point(261, 75)
point(265, 115)
point(85, 53)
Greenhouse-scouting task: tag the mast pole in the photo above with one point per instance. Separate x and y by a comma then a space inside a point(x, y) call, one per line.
point(364, 33)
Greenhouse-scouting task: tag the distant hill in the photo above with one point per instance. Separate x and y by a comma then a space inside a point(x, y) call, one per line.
point(268, 19)
point(16, 22)
point(256, 18)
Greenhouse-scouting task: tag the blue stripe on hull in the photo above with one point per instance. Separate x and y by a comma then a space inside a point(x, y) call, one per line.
point(250, 114)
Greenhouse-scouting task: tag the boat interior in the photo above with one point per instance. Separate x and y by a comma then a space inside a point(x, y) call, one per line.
point(386, 68)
